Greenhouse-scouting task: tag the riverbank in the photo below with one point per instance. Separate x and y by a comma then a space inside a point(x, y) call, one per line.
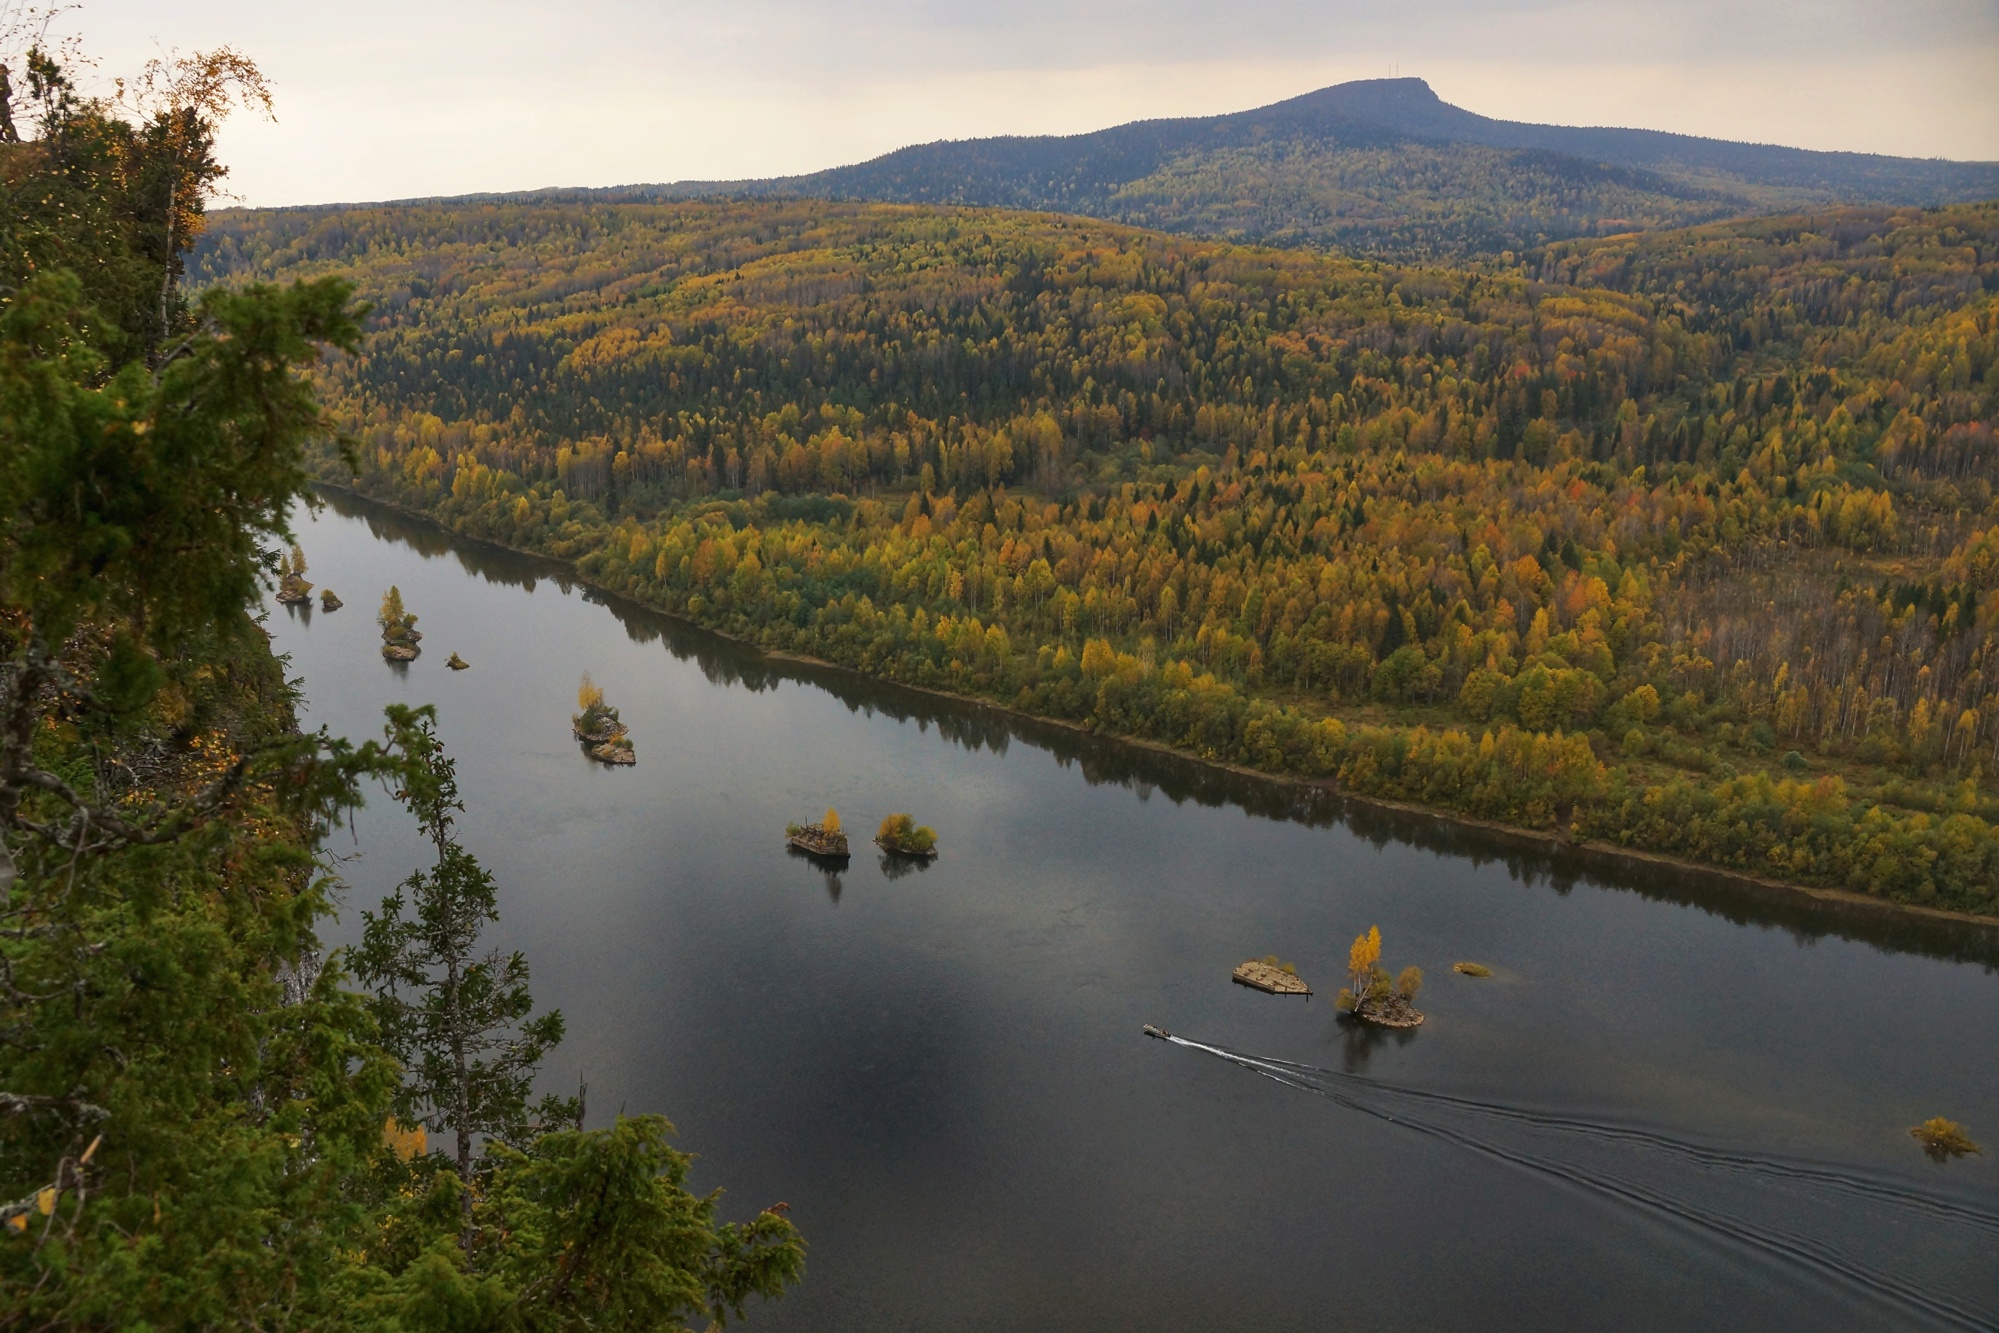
point(774, 1004)
point(1584, 849)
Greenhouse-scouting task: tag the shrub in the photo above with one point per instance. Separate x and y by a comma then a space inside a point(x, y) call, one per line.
point(1943, 1139)
point(904, 834)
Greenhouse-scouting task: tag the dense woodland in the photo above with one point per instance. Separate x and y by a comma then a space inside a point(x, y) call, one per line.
point(204, 1121)
point(1683, 541)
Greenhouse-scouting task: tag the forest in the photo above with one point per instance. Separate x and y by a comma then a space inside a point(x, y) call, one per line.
point(1683, 541)
point(206, 1119)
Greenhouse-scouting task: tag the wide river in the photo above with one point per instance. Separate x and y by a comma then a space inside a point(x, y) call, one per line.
point(1676, 1104)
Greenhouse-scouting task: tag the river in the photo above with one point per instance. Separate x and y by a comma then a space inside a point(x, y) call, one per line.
point(1676, 1104)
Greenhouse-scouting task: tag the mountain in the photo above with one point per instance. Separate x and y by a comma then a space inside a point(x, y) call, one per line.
point(1379, 166)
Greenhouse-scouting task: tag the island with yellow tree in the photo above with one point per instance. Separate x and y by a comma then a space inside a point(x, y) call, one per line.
point(901, 835)
point(399, 632)
point(824, 839)
point(293, 589)
point(1370, 996)
point(598, 729)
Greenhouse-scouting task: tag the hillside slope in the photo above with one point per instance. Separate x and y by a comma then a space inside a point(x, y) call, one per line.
point(1378, 166)
point(1686, 540)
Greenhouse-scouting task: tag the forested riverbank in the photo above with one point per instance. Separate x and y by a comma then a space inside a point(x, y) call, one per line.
point(1680, 541)
point(204, 1121)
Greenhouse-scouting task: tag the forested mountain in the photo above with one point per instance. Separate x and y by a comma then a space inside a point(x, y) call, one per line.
point(1685, 541)
point(1380, 166)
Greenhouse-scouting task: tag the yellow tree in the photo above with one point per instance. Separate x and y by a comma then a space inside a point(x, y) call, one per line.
point(832, 821)
point(588, 696)
point(392, 615)
point(1366, 952)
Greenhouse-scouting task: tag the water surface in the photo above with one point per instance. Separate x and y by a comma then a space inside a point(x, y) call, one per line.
point(1677, 1104)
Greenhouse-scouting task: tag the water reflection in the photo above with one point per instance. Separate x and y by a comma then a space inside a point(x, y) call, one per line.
point(1530, 861)
point(1360, 1041)
point(828, 868)
point(946, 1078)
point(897, 867)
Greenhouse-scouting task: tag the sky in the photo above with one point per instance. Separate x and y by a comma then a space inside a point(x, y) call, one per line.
point(385, 99)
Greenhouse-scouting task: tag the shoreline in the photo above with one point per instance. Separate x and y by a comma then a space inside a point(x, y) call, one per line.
point(1830, 897)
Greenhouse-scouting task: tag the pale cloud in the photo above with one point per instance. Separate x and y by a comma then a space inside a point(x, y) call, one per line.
point(383, 100)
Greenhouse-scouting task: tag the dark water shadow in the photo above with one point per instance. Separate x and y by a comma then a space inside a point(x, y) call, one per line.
point(1102, 761)
point(1359, 1041)
point(828, 868)
point(895, 867)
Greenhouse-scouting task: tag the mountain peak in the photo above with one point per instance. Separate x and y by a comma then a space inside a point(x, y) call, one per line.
point(1383, 166)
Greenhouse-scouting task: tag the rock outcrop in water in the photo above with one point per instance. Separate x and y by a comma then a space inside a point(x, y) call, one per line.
point(399, 632)
point(292, 587)
point(1267, 974)
point(328, 602)
point(900, 835)
point(598, 729)
point(457, 663)
point(1371, 997)
point(824, 839)
point(1944, 1139)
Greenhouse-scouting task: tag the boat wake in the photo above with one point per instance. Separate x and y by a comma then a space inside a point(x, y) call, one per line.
point(1762, 1204)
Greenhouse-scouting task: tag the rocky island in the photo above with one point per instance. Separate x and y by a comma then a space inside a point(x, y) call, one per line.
point(328, 602)
point(1267, 974)
point(293, 590)
point(823, 839)
point(457, 663)
point(901, 835)
point(1371, 997)
point(1944, 1139)
point(597, 728)
point(399, 633)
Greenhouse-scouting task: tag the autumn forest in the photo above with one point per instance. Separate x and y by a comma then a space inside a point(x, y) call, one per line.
point(1683, 541)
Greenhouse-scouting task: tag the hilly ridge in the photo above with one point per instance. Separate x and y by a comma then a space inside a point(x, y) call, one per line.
point(1380, 166)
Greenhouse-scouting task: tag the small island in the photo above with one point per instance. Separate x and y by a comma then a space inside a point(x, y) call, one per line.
point(597, 728)
point(1267, 974)
point(824, 839)
point(1471, 969)
point(399, 634)
point(293, 590)
point(1371, 997)
point(328, 602)
point(457, 663)
point(901, 835)
point(1943, 1139)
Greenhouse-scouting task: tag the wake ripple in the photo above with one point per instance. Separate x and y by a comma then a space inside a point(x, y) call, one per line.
point(1471, 1123)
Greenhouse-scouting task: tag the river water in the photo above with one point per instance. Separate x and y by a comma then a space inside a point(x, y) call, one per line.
point(1675, 1105)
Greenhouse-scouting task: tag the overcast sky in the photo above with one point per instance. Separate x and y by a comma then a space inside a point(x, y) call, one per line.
point(383, 99)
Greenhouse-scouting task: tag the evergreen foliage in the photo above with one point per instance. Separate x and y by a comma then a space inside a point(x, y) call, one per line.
point(195, 1115)
point(454, 1018)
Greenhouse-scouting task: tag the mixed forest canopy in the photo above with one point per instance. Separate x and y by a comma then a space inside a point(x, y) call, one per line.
point(1378, 166)
point(203, 1124)
point(1682, 540)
